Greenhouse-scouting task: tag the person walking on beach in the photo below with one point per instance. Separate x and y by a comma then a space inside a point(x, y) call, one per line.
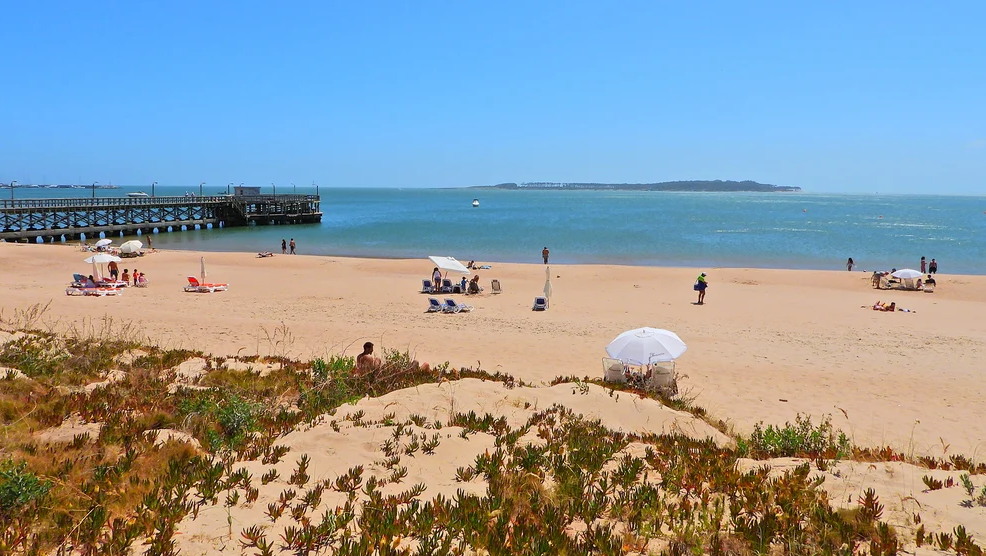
point(933, 266)
point(114, 270)
point(284, 247)
point(924, 270)
point(849, 264)
point(544, 253)
point(292, 246)
point(700, 286)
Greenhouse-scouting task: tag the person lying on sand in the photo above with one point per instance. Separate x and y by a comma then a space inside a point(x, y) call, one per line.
point(265, 254)
point(881, 306)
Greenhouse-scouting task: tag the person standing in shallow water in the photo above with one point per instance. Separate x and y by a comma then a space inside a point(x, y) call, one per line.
point(292, 246)
point(544, 254)
point(933, 267)
point(849, 264)
point(924, 270)
point(284, 247)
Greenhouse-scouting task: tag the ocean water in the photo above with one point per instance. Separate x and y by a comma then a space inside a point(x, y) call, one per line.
point(759, 230)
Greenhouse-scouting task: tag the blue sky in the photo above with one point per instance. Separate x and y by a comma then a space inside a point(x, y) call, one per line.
point(837, 96)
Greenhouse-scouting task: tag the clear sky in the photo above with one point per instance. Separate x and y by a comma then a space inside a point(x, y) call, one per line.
point(830, 96)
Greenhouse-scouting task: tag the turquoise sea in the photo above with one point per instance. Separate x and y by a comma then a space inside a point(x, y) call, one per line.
point(761, 230)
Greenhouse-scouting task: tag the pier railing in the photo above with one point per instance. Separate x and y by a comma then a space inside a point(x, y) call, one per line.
point(30, 218)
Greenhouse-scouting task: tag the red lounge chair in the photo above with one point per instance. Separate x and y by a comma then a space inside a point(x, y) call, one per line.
point(195, 286)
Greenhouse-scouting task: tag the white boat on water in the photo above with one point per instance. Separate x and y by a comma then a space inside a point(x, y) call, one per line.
point(137, 194)
point(475, 202)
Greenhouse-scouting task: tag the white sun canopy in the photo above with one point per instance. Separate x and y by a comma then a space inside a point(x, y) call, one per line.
point(449, 264)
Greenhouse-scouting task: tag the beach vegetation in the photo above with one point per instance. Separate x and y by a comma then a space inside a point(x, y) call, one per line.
point(801, 439)
point(158, 447)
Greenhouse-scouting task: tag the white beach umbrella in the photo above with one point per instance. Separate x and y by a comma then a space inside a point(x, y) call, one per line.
point(104, 242)
point(132, 246)
point(100, 259)
point(906, 274)
point(646, 345)
point(449, 264)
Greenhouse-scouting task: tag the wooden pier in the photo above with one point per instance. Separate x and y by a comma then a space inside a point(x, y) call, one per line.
point(53, 218)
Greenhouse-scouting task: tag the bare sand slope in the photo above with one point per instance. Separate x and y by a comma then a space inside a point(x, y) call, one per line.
point(767, 345)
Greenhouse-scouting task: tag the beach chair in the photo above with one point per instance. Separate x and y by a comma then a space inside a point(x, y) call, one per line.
point(446, 286)
point(614, 370)
point(435, 306)
point(662, 379)
point(452, 307)
point(94, 292)
point(427, 287)
point(78, 280)
point(495, 286)
point(194, 286)
point(540, 304)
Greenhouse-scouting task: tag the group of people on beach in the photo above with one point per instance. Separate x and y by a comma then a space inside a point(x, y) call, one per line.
point(285, 245)
point(926, 267)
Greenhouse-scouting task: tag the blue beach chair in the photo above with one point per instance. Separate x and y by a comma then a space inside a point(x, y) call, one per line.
point(435, 306)
point(540, 304)
point(426, 287)
point(446, 286)
point(452, 307)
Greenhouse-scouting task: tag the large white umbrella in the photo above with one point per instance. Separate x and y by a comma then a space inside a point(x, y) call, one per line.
point(104, 242)
point(449, 264)
point(132, 246)
point(547, 284)
point(906, 274)
point(646, 345)
point(100, 259)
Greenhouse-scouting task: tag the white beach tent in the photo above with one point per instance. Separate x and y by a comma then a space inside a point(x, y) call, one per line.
point(449, 264)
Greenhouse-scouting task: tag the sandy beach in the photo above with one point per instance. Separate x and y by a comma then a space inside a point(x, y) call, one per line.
point(767, 344)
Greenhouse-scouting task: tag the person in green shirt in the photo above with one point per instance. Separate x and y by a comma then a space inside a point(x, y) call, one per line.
point(700, 286)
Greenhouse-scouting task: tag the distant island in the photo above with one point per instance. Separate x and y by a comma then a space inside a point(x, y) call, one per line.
point(691, 185)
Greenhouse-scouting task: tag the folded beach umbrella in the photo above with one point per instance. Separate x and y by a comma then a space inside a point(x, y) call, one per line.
point(907, 274)
point(132, 246)
point(104, 242)
point(646, 345)
point(547, 283)
point(449, 264)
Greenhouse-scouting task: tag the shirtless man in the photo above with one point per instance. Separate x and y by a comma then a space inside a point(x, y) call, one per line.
point(366, 362)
